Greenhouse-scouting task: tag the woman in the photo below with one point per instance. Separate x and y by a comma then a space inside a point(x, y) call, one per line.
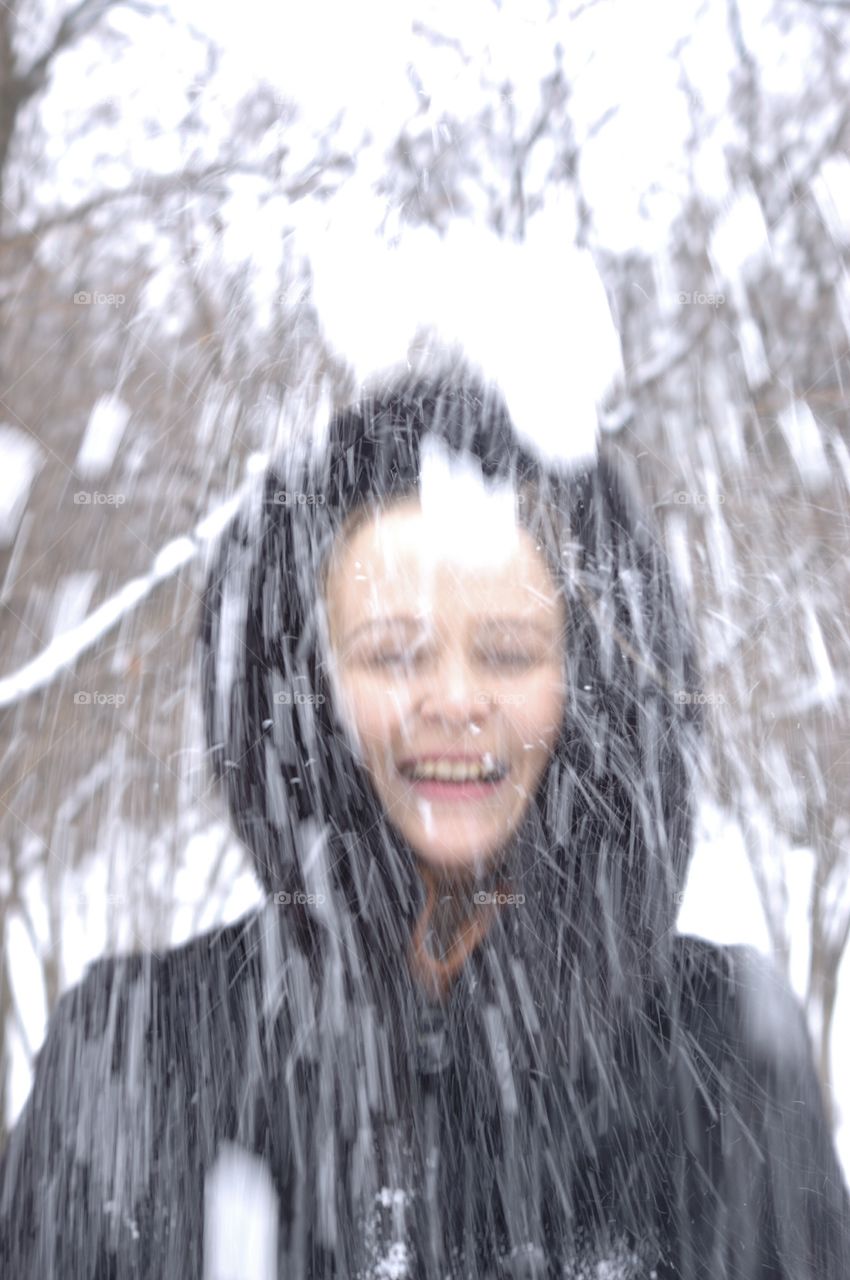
point(462, 1038)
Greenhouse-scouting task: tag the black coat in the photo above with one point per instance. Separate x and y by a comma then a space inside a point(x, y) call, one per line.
point(597, 1097)
point(151, 1065)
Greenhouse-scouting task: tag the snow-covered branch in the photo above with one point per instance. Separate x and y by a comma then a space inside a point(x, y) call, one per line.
point(70, 644)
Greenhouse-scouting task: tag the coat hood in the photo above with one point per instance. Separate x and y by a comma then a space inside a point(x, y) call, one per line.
point(612, 816)
point(559, 1018)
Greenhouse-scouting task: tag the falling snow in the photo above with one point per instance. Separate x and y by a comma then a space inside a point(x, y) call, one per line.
point(575, 289)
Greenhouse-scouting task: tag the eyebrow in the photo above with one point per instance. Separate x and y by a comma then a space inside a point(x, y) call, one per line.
point(509, 621)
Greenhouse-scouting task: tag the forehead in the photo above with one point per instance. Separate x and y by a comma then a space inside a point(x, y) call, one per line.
point(403, 557)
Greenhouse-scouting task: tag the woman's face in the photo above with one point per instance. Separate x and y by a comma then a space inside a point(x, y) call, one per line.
point(435, 660)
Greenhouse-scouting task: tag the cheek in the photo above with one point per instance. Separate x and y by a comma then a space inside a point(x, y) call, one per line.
point(538, 716)
point(375, 709)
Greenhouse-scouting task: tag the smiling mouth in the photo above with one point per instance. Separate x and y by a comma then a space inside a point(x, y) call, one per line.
point(454, 773)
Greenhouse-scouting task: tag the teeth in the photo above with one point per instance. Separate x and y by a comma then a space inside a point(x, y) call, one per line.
point(446, 771)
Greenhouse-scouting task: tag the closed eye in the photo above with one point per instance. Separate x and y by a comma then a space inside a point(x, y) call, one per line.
point(407, 657)
point(512, 659)
point(389, 659)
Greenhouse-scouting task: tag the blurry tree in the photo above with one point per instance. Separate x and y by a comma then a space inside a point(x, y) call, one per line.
point(131, 402)
point(736, 342)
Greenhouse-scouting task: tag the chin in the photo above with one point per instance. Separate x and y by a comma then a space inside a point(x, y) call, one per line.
point(455, 859)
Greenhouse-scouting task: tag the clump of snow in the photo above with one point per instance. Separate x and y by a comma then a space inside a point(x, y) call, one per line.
point(106, 426)
point(72, 599)
point(532, 315)
point(803, 436)
point(741, 238)
point(831, 189)
point(22, 458)
point(240, 1218)
point(395, 1265)
point(173, 556)
point(826, 683)
point(753, 354)
point(469, 522)
point(391, 1197)
point(620, 1263)
point(389, 1254)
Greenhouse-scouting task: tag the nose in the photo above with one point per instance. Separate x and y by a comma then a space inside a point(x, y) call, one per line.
point(453, 693)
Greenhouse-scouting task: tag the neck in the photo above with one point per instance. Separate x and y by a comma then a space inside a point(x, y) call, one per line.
point(452, 923)
point(454, 907)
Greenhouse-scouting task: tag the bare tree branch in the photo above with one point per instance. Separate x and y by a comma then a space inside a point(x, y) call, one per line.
point(78, 22)
point(64, 648)
point(439, 39)
point(159, 186)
